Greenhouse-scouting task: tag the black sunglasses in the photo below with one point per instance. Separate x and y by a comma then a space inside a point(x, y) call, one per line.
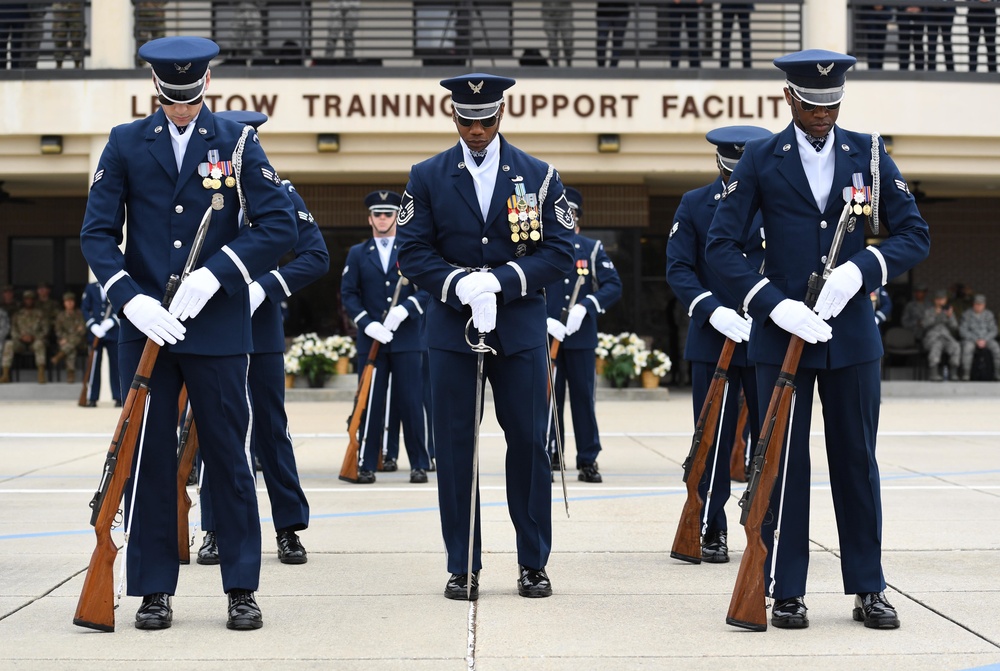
point(165, 102)
point(487, 122)
point(809, 107)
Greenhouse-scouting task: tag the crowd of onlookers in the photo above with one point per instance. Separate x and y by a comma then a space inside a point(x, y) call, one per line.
point(35, 324)
point(955, 331)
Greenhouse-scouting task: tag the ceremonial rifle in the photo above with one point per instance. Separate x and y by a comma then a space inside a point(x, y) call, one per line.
point(687, 538)
point(349, 467)
point(582, 271)
point(186, 450)
point(96, 607)
point(91, 356)
point(748, 608)
point(737, 459)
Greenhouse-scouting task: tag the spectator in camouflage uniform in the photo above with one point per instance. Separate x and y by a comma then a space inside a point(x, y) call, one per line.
point(70, 330)
point(979, 330)
point(4, 327)
point(913, 313)
point(28, 330)
point(8, 301)
point(67, 32)
point(48, 306)
point(940, 326)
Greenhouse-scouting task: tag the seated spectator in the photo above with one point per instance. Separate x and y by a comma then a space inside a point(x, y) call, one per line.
point(913, 312)
point(940, 327)
point(4, 327)
point(979, 331)
point(28, 330)
point(70, 332)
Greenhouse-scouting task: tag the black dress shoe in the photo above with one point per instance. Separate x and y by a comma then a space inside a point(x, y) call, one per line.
point(389, 465)
point(118, 403)
point(290, 550)
point(155, 612)
point(589, 473)
point(873, 609)
point(533, 583)
point(93, 404)
point(244, 613)
point(789, 613)
point(556, 464)
point(365, 478)
point(433, 467)
point(208, 553)
point(457, 587)
point(714, 549)
point(418, 476)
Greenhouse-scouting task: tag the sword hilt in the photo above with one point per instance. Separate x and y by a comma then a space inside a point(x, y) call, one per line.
point(481, 346)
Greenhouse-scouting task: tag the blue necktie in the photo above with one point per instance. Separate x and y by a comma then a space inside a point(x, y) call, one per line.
point(816, 142)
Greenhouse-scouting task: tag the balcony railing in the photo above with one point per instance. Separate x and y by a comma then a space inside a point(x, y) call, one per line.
point(927, 35)
point(411, 33)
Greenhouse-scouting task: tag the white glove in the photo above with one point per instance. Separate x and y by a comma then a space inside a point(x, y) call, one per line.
point(575, 319)
point(484, 312)
point(98, 331)
point(147, 315)
point(555, 328)
point(474, 284)
point(729, 323)
point(193, 294)
point(797, 319)
point(257, 296)
point(107, 325)
point(395, 317)
point(376, 331)
point(840, 287)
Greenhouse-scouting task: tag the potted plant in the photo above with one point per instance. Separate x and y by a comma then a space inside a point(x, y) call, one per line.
point(345, 349)
point(311, 356)
point(625, 359)
point(656, 365)
point(605, 341)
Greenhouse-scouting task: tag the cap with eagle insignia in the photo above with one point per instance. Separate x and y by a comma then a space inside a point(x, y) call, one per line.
point(816, 75)
point(180, 66)
point(729, 142)
point(477, 95)
point(245, 117)
point(382, 201)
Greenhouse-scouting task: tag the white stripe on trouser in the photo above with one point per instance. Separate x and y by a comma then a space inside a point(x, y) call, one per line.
point(368, 419)
point(131, 507)
point(385, 424)
point(781, 499)
point(715, 456)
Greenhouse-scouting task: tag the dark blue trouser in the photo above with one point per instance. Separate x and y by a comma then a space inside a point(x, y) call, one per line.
point(94, 374)
point(850, 398)
point(407, 395)
point(519, 389)
point(218, 391)
point(577, 369)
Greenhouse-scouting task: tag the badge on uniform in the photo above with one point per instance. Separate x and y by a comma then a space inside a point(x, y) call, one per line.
point(270, 175)
point(673, 229)
point(522, 215)
point(405, 210)
point(581, 267)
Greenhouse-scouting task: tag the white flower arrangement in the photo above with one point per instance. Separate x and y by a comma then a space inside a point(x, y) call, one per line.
point(311, 355)
point(626, 356)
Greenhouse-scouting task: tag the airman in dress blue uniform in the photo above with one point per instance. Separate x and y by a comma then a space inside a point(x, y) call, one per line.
point(164, 172)
point(367, 286)
point(103, 323)
point(272, 443)
point(799, 180)
point(716, 314)
point(575, 364)
point(484, 227)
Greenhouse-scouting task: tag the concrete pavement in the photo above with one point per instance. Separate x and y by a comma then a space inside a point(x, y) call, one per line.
point(370, 595)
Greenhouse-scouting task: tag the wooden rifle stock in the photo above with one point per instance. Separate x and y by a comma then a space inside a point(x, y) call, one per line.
point(96, 608)
point(186, 450)
point(687, 539)
point(748, 609)
point(737, 458)
point(349, 468)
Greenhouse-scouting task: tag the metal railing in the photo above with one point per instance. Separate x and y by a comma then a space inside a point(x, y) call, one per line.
point(925, 35)
point(412, 33)
point(43, 34)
